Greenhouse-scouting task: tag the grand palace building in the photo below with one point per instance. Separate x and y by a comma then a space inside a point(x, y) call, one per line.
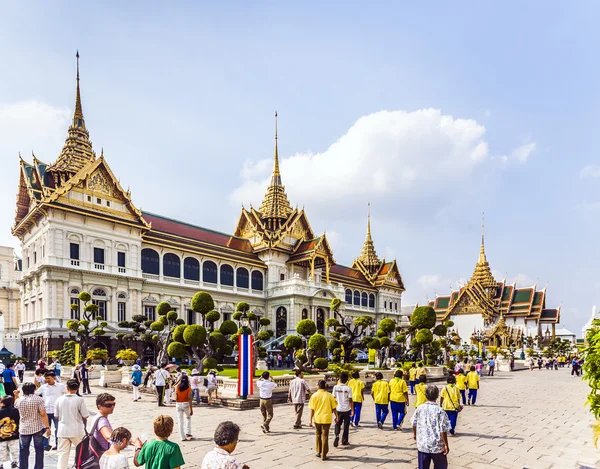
point(80, 231)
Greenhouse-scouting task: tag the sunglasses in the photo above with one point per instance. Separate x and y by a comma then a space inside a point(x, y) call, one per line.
point(109, 404)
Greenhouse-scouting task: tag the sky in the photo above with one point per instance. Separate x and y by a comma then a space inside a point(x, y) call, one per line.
point(433, 113)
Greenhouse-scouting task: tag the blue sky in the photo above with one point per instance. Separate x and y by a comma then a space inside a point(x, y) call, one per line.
point(434, 114)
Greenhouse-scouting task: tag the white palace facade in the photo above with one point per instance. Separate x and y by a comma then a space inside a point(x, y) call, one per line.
point(80, 231)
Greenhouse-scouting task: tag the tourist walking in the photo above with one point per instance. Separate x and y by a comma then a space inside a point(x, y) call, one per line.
point(420, 389)
point(430, 429)
point(71, 413)
point(20, 367)
point(77, 373)
point(9, 377)
point(159, 453)
point(380, 391)
point(38, 377)
point(345, 408)
point(358, 397)
point(136, 381)
point(50, 391)
point(491, 365)
point(412, 377)
point(160, 380)
point(398, 399)
point(212, 386)
point(297, 396)
point(33, 426)
point(473, 385)
point(450, 402)
point(265, 386)
point(421, 370)
point(168, 387)
point(148, 375)
point(183, 404)
point(9, 432)
point(530, 363)
point(461, 384)
point(322, 404)
point(195, 384)
point(101, 428)
point(226, 438)
point(85, 378)
point(112, 458)
point(478, 367)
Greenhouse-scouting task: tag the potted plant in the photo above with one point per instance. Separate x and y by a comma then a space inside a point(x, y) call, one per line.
point(97, 355)
point(128, 356)
point(112, 364)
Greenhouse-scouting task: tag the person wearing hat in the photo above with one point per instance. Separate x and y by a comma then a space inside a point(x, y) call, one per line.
point(136, 381)
point(195, 383)
point(211, 385)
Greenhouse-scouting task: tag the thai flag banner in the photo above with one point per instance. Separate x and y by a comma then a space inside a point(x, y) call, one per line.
point(245, 365)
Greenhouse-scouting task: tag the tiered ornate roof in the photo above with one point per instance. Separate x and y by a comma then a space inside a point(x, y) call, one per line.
point(368, 256)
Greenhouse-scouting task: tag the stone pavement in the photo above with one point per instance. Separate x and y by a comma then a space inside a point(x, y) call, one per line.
point(534, 420)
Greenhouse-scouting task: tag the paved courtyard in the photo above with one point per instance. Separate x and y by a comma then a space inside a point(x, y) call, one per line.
point(533, 420)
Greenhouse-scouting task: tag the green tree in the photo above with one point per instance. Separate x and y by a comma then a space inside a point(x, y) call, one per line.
point(591, 373)
point(254, 326)
point(162, 329)
point(90, 326)
point(345, 329)
point(202, 303)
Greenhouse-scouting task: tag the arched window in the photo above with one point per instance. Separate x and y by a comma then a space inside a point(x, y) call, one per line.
point(74, 295)
point(242, 278)
point(257, 280)
point(226, 275)
point(171, 265)
point(191, 269)
point(320, 321)
point(371, 300)
point(304, 313)
point(349, 296)
point(150, 262)
point(99, 292)
point(209, 272)
point(364, 299)
point(99, 298)
point(356, 297)
point(281, 322)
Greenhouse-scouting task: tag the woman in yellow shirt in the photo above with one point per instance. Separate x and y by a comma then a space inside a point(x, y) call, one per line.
point(358, 396)
point(412, 377)
point(398, 399)
point(420, 388)
point(461, 384)
point(473, 384)
point(421, 370)
point(450, 402)
point(381, 395)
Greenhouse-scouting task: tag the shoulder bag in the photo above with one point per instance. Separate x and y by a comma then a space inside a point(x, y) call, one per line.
point(457, 409)
point(89, 451)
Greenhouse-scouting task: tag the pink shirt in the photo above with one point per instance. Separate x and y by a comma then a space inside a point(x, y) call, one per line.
point(478, 366)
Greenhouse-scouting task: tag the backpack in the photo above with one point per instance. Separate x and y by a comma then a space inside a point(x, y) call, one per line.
point(89, 451)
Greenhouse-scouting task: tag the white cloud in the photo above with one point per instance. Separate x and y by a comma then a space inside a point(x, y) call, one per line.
point(388, 155)
point(590, 171)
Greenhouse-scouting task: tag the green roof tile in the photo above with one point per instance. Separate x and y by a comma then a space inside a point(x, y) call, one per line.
point(443, 302)
point(523, 295)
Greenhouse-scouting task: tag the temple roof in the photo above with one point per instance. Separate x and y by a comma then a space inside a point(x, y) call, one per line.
point(368, 256)
point(482, 273)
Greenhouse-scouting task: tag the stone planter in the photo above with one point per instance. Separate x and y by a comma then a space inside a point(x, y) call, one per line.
point(128, 362)
point(112, 367)
point(96, 362)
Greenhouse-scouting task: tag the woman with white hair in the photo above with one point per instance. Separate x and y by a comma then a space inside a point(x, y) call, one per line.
point(136, 381)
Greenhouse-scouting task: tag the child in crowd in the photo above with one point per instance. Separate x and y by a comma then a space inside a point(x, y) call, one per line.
point(420, 389)
point(112, 458)
point(358, 396)
point(473, 385)
point(9, 432)
point(461, 384)
point(412, 377)
point(159, 453)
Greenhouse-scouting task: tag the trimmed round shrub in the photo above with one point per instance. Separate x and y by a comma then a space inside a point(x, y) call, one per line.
point(103, 324)
point(179, 321)
point(228, 327)
point(335, 304)
point(374, 343)
point(423, 317)
point(138, 318)
point(99, 331)
point(302, 357)
point(84, 296)
point(72, 324)
point(332, 322)
point(216, 340)
point(263, 335)
point(162, 319)
point(210, 363)
point(234, 339)
point(317, 342)
point(202, 303)
point(176, 350)
point(333, 344)
point(213, 316)
point(244, 330)
point(401, 338)
point(91, 308)
point(424, 336)
point(385, 341)
point(264, 321)
point(306, 327)
point(252, 316)
point(178, 333)
point(440, 330)
point(387, 325)
point(381, 333)
point(163, 308)
point(157, 326)
point(236, 316)
point(292, 342)
point(172, 315)
point(227, 349)
point(242, 307)
point(321, 363)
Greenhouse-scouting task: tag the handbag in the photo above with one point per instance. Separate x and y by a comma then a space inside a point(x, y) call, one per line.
point(89, 451)
point(460, 406)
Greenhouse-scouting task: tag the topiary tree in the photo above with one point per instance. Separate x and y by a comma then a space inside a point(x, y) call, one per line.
point(252, 325)
point(293, 343)
point(162, 330)
point(90, 326)
point(202, 303)
point(387, 326)
point(321, 363)
point(345, 329)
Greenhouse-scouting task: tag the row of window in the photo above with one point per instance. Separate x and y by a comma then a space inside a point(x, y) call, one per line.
point(191, 270)
point(98, 255)
point(35, 257)
point(359, 299)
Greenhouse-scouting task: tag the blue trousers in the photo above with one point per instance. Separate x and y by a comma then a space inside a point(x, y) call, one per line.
point(463, 393)
point(38, 445)
point(52, 420)
point(412, 386)
point(381, 411)
point(196, 395)
point(472, 395)
point(356, 417)
point(398, 413)
point(440, 461)
point(453, 416)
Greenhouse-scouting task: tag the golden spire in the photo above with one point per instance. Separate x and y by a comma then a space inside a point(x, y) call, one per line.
point(482, 273)
point(77, 151)
point(368, 256)
point(275, 205)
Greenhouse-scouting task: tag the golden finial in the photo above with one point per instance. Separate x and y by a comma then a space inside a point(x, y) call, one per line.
point(276, 164)
point(78, 115)
point(102, 153)
point(369, 219)
point(482, 248)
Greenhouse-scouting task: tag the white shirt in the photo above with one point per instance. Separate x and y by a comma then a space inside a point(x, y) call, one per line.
point(266, 388)
point(212, 380)
point(20, 367)
point(219, 459)
point(343, 396)
point(113, 461)
point(194, 382)
point(160, 377)
point(71, 410)
point(50, 394)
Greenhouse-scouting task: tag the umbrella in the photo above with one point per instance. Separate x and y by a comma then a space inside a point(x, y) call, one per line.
point(172, 367)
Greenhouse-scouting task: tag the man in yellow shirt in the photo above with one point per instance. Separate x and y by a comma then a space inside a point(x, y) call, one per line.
point(450, 402)
point(398, 399)
point(421, 388)
point(473, 385)
point(322, 404)
point(421, 370)
point(412, 377)
point(461, 384)
point(358, 396)
point(381, 395)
